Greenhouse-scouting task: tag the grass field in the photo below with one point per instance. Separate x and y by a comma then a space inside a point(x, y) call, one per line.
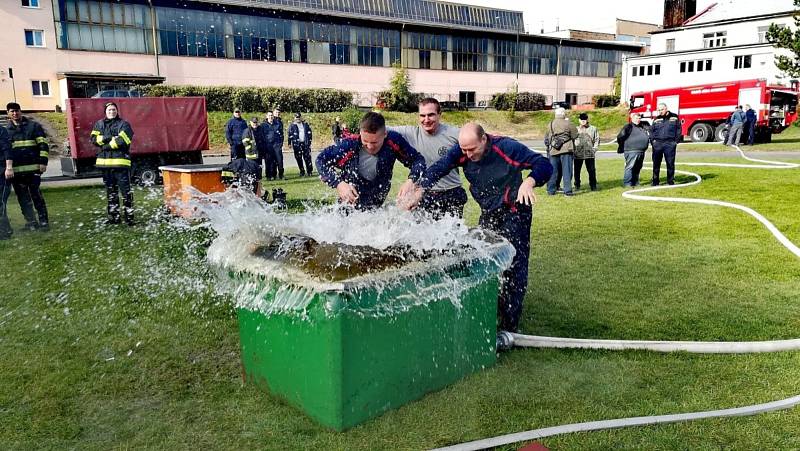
point(114, 338)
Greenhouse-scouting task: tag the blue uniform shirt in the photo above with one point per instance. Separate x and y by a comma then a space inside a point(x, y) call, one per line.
point(339, 163)
point(496, 178)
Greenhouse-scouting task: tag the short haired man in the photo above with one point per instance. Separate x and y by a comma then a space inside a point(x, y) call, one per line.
point(560, 141)
point(5, 186)
point(737, 120)
point(360, 169)
point(277, 149)
point(234, 129)
point(112, 137)
point(633, 141)
point(750, 124)
point(665, 134)
point(250, 141)
point(433, 140)
point(300, 139)
point(25, 164)
point(493, 166)
point(271, 131)
point(585, 149)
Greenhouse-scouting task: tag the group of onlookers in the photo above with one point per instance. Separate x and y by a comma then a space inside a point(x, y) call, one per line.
point(741, 126)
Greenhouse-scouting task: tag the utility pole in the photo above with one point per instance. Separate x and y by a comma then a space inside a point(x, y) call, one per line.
point(13, 86)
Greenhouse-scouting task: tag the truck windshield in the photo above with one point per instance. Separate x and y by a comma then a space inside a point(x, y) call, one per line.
point(637, 101)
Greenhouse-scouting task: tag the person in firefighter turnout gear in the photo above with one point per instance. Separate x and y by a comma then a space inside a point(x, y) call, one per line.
point(26, 161)
point(112, 137)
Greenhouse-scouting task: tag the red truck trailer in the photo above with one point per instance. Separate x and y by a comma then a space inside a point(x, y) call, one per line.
point(166, 131)
point(703, 109)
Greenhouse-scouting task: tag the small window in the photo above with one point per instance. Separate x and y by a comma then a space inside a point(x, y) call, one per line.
point(40, 88)
point(657, 69)
point(635, 71)
point(670, 45)
point(690, 66)
point(708, 65)
point(700, 66)
point(683, 66)
point(34, 38)
point(742, 61)
point(30, 3)
point(716, 39)
point(641, 71)
point(650, 70)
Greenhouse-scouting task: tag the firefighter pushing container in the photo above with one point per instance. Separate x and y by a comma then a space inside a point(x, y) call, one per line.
point(112, 137)
point(25, 164)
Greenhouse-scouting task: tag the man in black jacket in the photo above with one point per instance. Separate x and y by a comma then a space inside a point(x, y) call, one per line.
point(25, 164)
point(665, 134)
point(5, 186)
point(234, 129)
point(300, 139)
point(112, 137)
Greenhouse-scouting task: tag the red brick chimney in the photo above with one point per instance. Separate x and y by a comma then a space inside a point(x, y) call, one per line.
point(676, 12)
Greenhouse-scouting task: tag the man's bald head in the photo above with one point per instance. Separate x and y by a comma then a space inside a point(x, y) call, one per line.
point(472, 140)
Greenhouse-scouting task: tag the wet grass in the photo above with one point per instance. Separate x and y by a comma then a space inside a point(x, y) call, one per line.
point(114, 338)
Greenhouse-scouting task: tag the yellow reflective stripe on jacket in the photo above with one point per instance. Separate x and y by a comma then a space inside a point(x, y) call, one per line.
point(26, 168)
point(125, 137)
point(227, 174)
point(99, 138)
point(44, 154)
point(251, 156)
point(26, 143)
point(113, 144)
point(112, 162)
point(41, 140)
point(95, 132)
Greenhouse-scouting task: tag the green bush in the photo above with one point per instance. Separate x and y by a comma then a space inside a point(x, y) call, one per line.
point(605, 100)
point(525, 101)
point(226, 98)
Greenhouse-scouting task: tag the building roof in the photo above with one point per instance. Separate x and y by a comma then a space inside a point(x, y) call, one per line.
point(427, 12)
point(725, 10)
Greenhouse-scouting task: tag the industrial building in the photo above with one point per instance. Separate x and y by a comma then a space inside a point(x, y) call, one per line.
point(76, 48)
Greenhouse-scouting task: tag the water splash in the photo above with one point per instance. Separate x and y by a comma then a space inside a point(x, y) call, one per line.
point(279, 263)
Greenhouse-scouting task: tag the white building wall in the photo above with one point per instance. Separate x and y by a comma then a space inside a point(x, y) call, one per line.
point(740, 33)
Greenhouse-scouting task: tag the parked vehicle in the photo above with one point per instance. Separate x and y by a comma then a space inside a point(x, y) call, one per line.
point(704, 109)
point(115, 93)
point(166, 131)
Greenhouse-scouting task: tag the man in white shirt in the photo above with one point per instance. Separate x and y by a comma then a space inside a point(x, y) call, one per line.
point(300, 140)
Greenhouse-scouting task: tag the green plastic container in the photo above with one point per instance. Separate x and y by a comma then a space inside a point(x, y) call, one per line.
point(356, 350)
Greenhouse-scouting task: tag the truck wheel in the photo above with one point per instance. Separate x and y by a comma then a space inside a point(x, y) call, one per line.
point(700, 133)
point(146, 175)
point(719, 133)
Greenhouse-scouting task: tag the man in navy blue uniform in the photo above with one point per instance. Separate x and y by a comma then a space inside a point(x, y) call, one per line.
point(234, 130)
point(361, 169)
point(493, 166)
point(665, 134)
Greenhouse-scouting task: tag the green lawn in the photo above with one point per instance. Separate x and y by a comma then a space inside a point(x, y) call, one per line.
point(114, 338)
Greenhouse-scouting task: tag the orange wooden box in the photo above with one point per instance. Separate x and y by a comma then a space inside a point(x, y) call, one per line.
point(205, 178)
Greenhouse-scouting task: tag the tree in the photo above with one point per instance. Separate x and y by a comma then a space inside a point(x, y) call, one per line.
point(399, 96)
point(786, 38)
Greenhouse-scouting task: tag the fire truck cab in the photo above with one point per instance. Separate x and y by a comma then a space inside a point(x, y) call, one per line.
point(704, 109)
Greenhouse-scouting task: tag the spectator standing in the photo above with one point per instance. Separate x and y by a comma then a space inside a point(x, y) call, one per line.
point(300, 139)
point(585, 149)
point(271, 131)
point(665, 134)
point(277, 150)
point(25, 164)
point(112, 137)
point(336, 130)
point(5, 186)
point(737, 124)
point(560, 142)
point(750, 119)
point(633, 141)
point(234, 129)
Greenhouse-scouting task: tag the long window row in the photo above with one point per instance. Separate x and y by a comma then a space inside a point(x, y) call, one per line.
point(120, 27)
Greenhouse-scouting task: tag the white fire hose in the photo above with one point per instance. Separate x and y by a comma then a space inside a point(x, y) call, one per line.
point(661, 346)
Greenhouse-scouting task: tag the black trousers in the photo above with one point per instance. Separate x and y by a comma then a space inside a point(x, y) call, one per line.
point(5, 191)
point(302, 154)
point(29, 196)
point(664, 150)
point(274, 160)
point(516, 228)
point(590, 168)
point(116, 180)
point(447, 202)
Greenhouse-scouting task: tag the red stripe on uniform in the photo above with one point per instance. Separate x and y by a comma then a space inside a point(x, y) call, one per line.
point(508, 159)
point(343, 161)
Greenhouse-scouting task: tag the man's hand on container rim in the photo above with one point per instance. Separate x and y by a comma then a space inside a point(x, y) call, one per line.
point(525, 195)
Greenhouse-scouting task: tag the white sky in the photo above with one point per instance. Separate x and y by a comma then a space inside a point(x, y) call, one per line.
point(594, 15)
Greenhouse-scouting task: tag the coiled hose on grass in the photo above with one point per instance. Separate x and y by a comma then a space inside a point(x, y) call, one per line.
point(661, 346)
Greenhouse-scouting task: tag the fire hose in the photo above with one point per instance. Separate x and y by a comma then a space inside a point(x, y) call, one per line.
point(661, 346)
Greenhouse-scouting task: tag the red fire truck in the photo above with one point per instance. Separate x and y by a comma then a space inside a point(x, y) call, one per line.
point(704, 109)
point(166, 130)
